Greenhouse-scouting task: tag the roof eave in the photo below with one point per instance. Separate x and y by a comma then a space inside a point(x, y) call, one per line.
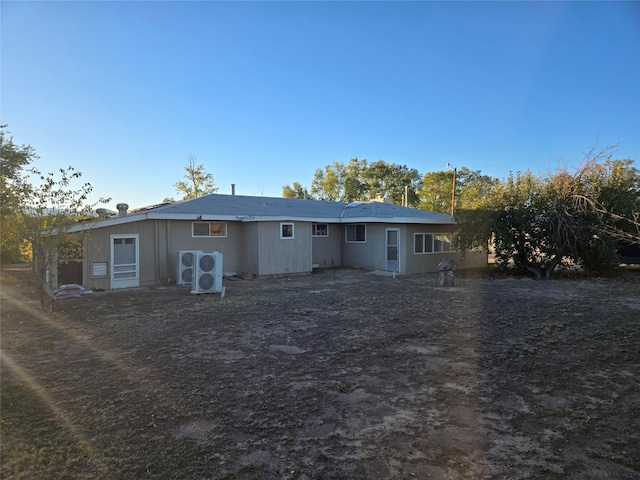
point(80, 227)
point(405, 220)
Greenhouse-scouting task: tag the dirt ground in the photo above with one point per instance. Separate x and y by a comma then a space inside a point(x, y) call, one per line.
point(343, 374)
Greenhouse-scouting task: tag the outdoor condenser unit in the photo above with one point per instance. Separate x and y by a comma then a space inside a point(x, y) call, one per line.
point(207, 273)
point(185, 266)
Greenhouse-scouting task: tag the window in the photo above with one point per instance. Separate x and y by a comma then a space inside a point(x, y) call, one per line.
point(432, 242)
point(209, 229)
point(442, 243)
point(356, 232)
point(320, 230)
point(423, 243)
point(286, 230)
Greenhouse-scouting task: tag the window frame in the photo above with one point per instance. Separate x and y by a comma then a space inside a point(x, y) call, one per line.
point(437, 242)
point(209, 223)
point(355, 232)
point(282, 232)
point(314, 232)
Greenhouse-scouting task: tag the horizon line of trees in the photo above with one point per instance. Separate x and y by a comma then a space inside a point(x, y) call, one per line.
point(360, 180)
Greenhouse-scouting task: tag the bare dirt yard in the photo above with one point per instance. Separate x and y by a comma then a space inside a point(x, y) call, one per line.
point(343, 374)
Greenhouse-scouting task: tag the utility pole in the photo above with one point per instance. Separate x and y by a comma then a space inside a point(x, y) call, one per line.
point(453, 190)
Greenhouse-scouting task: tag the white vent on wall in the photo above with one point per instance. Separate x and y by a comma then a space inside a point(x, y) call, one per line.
point(207, 273)
point(186, 261)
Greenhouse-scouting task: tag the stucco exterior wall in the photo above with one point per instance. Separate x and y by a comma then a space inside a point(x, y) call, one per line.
point(290, 255)
point(159, 244)
point(428, 262)
point(251, 246)
point(372, 253)
point(327, 251)
point(181, 238)
point(97, 249)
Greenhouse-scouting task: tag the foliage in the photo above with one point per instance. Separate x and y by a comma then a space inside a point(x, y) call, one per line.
point(295, 191)
point(339, 182)
point(49, 209)
point(435, 192)
point(197, 181)
point(390, 180)
point(14, 158)
point(541, 222)
point(360, 180)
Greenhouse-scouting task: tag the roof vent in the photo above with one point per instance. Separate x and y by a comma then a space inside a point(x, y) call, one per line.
point(122, 209)
point(101, 212)
point(380, 198)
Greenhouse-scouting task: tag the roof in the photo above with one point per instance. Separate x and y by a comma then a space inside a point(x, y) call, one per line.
point(251, 209)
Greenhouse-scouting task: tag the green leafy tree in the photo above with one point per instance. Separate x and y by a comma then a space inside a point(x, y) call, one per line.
point(326, 183)
point(472, 188)
point(14, 159)
point(435, 191)
point(339, 182)
point(295, 191)
point(197, 181)
point(612, 194)
point(360, 180)
point(390, 180)
point(52, 204)
point(540, 223)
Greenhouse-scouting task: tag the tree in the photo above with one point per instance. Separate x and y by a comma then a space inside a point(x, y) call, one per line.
point(294, 191)
point(541, 222)
point(472, 187)
point(361, 181)
point(197, 181)
point(48, 211)
point(339, 182)
point(390, 180)
point(435, 191)
point(14, 158)
point(613, 196)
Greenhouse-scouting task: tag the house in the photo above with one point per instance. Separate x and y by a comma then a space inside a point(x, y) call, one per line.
point(265, 236)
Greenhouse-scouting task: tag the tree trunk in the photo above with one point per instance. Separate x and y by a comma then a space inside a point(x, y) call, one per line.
point(537, 272)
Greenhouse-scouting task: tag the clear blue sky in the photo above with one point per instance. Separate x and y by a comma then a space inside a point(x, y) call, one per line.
point(264, 93)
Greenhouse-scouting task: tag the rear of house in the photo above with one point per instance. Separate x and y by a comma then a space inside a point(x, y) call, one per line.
point(265, 236)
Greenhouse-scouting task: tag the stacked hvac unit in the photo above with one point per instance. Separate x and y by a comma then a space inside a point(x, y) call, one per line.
point(186, 259)
point(207, 273)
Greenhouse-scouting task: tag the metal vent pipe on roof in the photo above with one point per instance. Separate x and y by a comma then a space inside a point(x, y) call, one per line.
point(233, 189)
point(122, 209)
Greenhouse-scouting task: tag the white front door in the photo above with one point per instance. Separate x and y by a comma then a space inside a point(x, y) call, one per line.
point(124, 261)
point(392, 246)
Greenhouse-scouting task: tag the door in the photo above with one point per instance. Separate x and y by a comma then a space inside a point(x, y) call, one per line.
point(393, 250)
point(124, 261)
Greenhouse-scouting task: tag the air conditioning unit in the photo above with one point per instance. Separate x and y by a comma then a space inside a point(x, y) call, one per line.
point(207, 273)
point(185, 266)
